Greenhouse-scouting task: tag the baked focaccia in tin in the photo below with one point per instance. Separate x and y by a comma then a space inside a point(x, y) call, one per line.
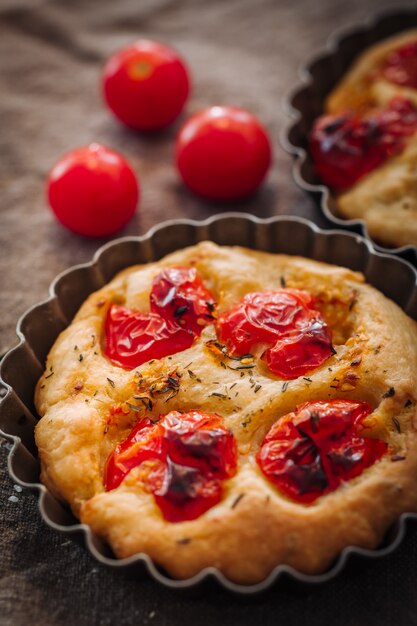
point(364, 147)
point(232, 408)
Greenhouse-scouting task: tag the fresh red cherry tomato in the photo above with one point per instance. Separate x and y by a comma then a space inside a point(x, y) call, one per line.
point(223, 153)
point(183, 459)
point(313, 450)
point(93, 191)
point(282, 327)
point(146, 85)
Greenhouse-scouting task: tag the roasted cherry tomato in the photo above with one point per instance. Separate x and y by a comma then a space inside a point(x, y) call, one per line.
point(93, 191)
point(282, 327)
point(132, 338)
point(346, 147)
point(180, 307)
point(182, 460)
point(223, 153)
point(179, 295)
point(400, 66)
point(146, 85)
point(308, 453)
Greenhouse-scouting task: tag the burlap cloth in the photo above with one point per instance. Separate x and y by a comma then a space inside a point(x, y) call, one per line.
point(242, 52)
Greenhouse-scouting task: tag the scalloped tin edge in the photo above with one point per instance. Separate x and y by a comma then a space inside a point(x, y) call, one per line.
point(250, 226)
point(375, 28)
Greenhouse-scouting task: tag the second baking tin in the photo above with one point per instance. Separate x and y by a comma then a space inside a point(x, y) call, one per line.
point(40, 326)
point(305, 104)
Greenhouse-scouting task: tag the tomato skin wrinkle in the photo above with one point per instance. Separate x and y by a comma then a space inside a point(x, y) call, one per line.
point(93, 191)
point(180, 295)
point(133, 338)
point(223, 153)
point(345, 147)
point(281, 327)
point(310, 452)
point(182, 461)
point(146, 85)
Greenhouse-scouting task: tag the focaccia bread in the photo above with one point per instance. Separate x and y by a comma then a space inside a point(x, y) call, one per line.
point(368, 84)
point(277, 424)
point(386, 199)
point(364, 147)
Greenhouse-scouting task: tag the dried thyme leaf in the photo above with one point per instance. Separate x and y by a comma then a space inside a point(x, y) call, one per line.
point(184, 541)
point(237, 500)
point(147, 402)
point(314, 419)
point(180, 311)
point(396, 424)
point(134, 407)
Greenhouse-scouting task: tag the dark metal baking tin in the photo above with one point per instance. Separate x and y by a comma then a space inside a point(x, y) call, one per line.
point(39, 327)
point(306, 102)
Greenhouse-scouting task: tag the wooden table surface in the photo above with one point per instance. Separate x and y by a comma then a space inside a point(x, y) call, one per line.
point(241, 52)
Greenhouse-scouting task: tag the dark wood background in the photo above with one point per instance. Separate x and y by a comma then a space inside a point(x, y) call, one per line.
point(241, 52)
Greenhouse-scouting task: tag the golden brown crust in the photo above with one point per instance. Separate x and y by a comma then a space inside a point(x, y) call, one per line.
point(362, 88)
point(254, 527)
point(386, 198)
